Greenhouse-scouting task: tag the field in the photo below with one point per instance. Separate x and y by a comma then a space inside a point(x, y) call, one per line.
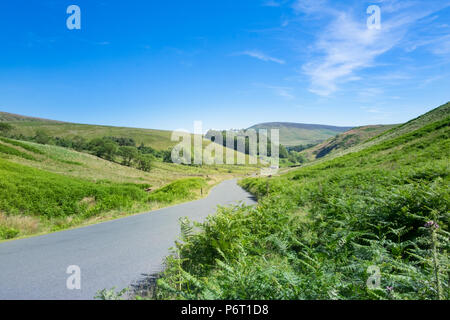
point(368, 224)
point(47, 188)
point(353, 137)
point(295, 134)
point(158, 139)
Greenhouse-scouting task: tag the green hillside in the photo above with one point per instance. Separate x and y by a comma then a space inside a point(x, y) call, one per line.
point(45, 188)
point(28, 126)
point(381, 134)
point(370, 224)
point(295, 134)
point(345, 140)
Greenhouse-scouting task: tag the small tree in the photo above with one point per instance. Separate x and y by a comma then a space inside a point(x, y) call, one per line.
point(5, 128)
point(103, 148)
point(42, 137)
point(79, 143)
point(144, 162)
point(128, 154)
point(109, 150)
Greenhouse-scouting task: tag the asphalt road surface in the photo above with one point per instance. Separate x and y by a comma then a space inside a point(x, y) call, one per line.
point(114, 253)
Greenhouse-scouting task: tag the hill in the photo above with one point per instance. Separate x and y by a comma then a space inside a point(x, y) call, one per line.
point(12, 117)
point(372, 223)
point(45, 188)
point(295, 134)
point(368, 138)
point(345, 140)
point(28, 126)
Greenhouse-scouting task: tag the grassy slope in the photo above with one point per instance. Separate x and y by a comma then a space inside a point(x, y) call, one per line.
point(47, 188)
point(294, 134)
point(82, 165)
point(319, 230)
point(158, 139)
point(414, 124)
point(345, 140)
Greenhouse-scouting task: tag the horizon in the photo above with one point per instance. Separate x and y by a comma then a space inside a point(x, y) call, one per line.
point(205, 130)
point(230, 65)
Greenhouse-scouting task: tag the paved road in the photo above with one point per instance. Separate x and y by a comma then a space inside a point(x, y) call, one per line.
point(114, 253)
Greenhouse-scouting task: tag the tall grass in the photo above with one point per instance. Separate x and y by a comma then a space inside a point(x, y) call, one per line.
point(29, 192)
point(4, 149)
point(368, 225)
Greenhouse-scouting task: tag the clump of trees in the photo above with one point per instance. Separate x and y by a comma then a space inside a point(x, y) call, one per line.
point(116, 149)
point(211, 134)
point(301, 147)
point(296, 157)
point(5, 128)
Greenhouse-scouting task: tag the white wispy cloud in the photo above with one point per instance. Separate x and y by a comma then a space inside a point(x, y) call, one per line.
point(262, 56)
point(371, 109)
point(311, 6)
point(274, 3)
point(345, 45)
point(271, 3)
point(284, 92)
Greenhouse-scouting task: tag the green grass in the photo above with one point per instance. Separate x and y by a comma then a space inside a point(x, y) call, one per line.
point(44, 188)
point(158, 139)
point(39, 193)
point(318, 231)
point(82, 165)
point(7, 150)
point(57, 202)
point(21, 144)
point(345, 140)
point(295, 134)
point(184, 189)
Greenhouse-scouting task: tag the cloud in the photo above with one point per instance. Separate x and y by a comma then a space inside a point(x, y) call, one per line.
point(370, 92)
point(284, 92)
point(261, 56)
point(271, 3)
point(346, 46)
point(274, 3)
point(371, 110)
point(310, 6)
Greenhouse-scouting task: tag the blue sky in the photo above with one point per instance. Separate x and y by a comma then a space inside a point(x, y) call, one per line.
point(230, 64)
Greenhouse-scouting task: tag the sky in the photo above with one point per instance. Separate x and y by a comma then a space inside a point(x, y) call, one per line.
point(229, 64)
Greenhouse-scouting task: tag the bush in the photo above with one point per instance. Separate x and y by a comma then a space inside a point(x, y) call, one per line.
point(8, 233)
point(5, 128)
point(183, 189)
point(319, 232)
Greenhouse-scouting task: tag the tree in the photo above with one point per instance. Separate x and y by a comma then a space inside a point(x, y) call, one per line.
point(296, 157)
point(42, 137)
point(167, 156)
point(5, 128)
point(144, 162)
point(128, 154)
point(283, 153)
point(79, 143)
point(103, 148)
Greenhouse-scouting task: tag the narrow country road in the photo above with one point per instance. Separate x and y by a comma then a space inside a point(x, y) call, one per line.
point(114, 253)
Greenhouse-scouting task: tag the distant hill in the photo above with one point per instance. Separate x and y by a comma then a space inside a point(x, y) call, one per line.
point(434, 115)
point(362, 137)
point(295, 134)
point(27, 126)
point(346, 140)
point(12, 117)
